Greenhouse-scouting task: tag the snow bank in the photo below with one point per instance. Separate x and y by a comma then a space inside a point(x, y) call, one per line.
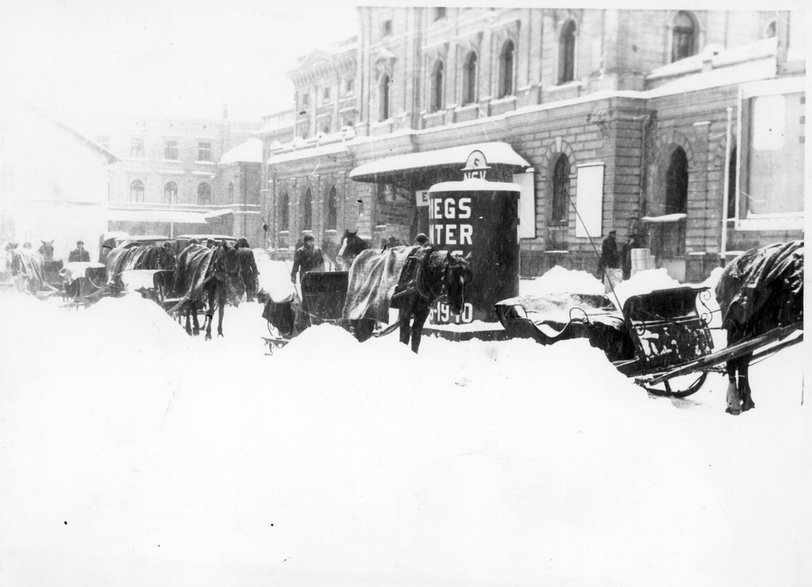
point(644, 282)
point(135, 455)
point(560, 280)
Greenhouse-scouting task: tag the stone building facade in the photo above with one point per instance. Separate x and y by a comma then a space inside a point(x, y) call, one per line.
point(654, 123)
point(169, 180)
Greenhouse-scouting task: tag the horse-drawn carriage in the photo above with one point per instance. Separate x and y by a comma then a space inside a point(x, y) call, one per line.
point(662, 339)
point(408, 278)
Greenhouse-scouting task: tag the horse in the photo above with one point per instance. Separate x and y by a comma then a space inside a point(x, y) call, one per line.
point(759, 290)
point(46, 249)
point(28, 270)
point(131, 256)
point(205, 275)
point(413, 278)
point(351, 247)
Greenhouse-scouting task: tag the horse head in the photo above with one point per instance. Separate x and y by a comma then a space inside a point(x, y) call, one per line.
point(47, 249)
point(456, 277)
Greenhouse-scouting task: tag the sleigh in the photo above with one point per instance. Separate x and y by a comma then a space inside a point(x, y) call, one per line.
point(661, 339)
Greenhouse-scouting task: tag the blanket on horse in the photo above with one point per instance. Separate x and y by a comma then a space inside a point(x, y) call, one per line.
point(192, 271)
point(773, 274)
point(77, 270)
point(374, 275)
point(131, 256)
point(28, 262)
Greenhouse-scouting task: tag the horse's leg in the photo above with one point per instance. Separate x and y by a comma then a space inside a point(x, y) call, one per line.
point(404, 317)
point(734, 401)
point(193, 309)
point(744, 384)
point(222, 295)
point(421, 312)
point(210, 311)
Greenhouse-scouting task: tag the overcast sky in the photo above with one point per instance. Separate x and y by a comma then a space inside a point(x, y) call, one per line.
point(89, 60)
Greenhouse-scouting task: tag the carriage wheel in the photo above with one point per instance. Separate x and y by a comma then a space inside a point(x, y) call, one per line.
point(678, 386)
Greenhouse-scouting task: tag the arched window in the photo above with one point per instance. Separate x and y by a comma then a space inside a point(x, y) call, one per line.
point(676, 183)
point(284, 212)
point(566, 53)
point(137, 191)
point(561, 190)
point(506, 69)
point(436, 99)
point(469, 79)
point(307, 210)
point(170, 193)
point(203, 194)
point(332, 210)
point(731, 185)
point(383, 98)
point(683, 36)
point(231, 191)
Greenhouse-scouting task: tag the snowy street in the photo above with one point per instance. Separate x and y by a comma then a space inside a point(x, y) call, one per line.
point(133, 454)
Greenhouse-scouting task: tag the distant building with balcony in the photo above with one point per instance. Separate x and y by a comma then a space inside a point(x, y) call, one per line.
point(684, 126)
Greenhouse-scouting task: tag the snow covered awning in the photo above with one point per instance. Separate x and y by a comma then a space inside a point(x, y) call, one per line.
point(157, 216)
point(665, 218)
point(218, 214)
point(495, 152)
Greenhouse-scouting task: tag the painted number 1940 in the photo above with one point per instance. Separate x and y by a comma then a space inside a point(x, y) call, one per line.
point(441, 314)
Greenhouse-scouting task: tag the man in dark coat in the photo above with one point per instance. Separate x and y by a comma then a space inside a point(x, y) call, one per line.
point(306, 258)
point(609, 264)
point(79, 254)
point(248, 268)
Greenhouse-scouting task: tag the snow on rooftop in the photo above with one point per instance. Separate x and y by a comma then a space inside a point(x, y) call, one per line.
point(248, 152)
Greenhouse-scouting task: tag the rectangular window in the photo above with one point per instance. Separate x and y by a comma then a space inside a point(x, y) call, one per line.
point(589, 201)
point(439, 13)
point(305, 99)
point(349, 86)
point(171, 150)
point(771, 153)
point(386, 28)
point(137, 148)
point(203, 151)
point(326, 94)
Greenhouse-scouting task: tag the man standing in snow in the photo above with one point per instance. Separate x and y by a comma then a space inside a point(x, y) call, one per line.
point(79, 254)
point(306, 258)
point(608, 265)
point(248, 268)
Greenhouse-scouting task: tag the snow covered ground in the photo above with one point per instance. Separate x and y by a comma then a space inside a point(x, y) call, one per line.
point(132, 454)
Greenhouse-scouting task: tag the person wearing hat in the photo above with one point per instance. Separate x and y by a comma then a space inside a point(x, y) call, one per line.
point(306, 258)
point(609, 269)
point(79, 254)
point(248, 268)
point(421, 240)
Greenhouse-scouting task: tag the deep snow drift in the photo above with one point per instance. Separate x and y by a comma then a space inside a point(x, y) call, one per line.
point(134, 455)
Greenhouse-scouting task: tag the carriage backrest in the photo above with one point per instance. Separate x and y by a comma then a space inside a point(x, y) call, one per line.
point(667, 327)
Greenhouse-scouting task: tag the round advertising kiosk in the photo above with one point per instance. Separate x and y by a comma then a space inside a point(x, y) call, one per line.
point(478, 217)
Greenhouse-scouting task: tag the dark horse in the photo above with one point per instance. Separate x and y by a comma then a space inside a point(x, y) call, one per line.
point(408, 278)
point(46, 249)
point(759, 290)
point(351, 246)
point(204, 275)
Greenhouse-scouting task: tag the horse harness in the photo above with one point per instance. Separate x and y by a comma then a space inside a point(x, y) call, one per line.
point(417, 283)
